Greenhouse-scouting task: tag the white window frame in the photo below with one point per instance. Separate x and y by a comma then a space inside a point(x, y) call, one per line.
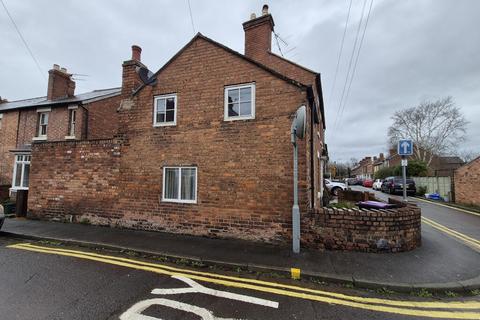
point(23, 162)
point(39, 132)
point(180, 185)
point(72, 122)
point(239, 86)
point(165, 124)
point(1, 120)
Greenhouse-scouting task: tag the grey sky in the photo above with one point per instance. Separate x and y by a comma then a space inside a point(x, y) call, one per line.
point(413, 50)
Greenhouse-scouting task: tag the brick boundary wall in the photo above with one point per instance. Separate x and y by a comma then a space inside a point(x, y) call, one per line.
point(393, 230)
point(81, 181)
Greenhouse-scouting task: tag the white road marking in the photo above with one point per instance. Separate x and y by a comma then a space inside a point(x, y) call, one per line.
point(135, 312)
point(198, 288)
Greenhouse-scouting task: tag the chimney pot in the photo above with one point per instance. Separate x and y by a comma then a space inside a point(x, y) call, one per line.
point(136, 53)
point(64, 70)
point(265, 10)
point(56, 67)
point(253, 16)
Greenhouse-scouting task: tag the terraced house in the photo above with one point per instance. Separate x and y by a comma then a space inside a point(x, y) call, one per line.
point(59, 116)
point(204, 150)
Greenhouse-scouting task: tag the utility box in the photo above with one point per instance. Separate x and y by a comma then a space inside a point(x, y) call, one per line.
point(22, 199)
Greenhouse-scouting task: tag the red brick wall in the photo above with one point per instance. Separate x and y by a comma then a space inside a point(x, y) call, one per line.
point(103, 118)
point(467, 188)
point(76, 178)
point(244, 167)
point(8, 134)
point(394, 230)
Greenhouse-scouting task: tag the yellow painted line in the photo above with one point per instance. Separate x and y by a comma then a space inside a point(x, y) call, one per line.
point(454, 234)
point(396, 310)
point(412, 304)
point(450, 207)
point(453, 231)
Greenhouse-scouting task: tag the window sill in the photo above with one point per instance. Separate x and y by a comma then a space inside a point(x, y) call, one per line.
point(180, 201)
point(39, 138)
point(239, 118)
point(70, 138)
point(18, 188)
point(168, 124)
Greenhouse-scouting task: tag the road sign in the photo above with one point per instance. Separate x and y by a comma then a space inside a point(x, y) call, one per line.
point(405, 147)
point(404, 162)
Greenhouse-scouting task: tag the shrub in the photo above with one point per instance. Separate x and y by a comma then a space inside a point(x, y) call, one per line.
point(421, 190)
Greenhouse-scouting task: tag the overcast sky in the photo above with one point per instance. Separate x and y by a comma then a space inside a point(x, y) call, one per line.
point(412, 51)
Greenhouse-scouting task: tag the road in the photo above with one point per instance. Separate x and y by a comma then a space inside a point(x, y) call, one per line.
point(50, 281)
point(447, 221)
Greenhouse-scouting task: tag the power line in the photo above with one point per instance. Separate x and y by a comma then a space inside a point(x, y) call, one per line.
point(341, 50)
point(24, 41)
point(191, 16)
point(350, 64)
point(356, 60)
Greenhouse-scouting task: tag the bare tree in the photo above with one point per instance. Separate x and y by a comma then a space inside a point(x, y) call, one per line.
point(437, 128)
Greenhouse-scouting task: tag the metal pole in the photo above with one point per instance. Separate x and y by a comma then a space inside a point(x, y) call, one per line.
point(404, 172)
point(295, 208)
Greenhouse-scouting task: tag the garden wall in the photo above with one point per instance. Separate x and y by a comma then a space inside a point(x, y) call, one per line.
point(392, 230)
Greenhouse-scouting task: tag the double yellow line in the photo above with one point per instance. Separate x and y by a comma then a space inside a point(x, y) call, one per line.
point(474, 243)
point(448, 310)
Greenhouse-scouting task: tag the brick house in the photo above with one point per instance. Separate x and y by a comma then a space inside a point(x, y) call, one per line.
point(59, 116)
point(467, 188)
point(205, 150)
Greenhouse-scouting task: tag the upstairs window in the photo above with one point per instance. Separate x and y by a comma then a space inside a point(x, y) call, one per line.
point(240, 102)
point(21, 172)
point(72, 120)
point(180, 184)
point(1, 117)
point(165, 110)
point(42, 124)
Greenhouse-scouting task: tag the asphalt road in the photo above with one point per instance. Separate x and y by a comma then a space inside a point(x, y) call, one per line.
point(39, 281)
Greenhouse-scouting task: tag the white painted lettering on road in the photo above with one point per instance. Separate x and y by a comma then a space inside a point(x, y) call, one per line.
point(135, 312)
point(198, 288)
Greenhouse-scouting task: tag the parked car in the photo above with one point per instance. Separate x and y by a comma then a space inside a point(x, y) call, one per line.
point(394, 185)
point(334, 187)
point(377, 184)
point(2, 216)
point(351, 181)
point(368, 183)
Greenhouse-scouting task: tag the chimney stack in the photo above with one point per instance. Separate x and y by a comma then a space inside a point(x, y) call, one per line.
point(60, 83)
point(136, 53)
point(130, 79)
point(258, 35)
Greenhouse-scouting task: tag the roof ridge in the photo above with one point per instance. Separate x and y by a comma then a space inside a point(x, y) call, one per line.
point(238, 54)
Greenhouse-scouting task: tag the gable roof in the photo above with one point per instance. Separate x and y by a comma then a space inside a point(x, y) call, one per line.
point(235, 53)
point(42, 101)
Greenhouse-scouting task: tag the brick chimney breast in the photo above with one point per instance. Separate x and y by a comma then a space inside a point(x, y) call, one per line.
point(60, 83)
point(258, 35)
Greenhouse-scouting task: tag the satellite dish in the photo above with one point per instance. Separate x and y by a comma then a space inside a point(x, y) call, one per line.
point(299, 124)
point(147, 76)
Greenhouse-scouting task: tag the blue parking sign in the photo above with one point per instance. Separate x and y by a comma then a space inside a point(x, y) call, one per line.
point(405, 147)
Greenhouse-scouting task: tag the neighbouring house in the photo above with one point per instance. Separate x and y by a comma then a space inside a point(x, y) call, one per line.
point(467, 183)
point(378, 163)
point(205, 150)
point(364, 169)
point(440, 166)
point(59, 116)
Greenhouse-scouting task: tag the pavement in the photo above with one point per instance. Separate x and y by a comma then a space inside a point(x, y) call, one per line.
point(443, 262)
